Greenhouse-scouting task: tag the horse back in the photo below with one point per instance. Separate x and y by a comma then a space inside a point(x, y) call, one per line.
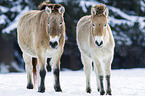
point(26, 31)
point(83, 33)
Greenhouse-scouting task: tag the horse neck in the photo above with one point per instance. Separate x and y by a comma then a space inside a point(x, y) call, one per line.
point(42, 18)
point(41, 25)
point(109, 36)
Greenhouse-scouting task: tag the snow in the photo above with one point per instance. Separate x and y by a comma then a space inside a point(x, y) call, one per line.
point(87, 3)
point(4, 68)
point(127, 18)
point(16, 67)
point(142, 5)
point(3, 19)
point(125, 82)
point(3, 9)
point(13, 25)
point(16, 8)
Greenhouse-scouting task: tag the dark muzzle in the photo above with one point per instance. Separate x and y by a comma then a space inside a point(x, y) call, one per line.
point(53, 45)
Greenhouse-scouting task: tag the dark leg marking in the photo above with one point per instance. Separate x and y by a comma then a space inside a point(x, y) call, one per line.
point(108, 85)
point(57, 83)
point(98, 89)
point(29, 86)
point(88, 90)
point(102, 92)
point(42, 76)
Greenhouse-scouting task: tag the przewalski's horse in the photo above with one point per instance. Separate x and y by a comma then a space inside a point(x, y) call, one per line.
point(96, 44)
point(41, 35)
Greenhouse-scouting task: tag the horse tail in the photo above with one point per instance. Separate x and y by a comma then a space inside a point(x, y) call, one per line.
point(34, 64)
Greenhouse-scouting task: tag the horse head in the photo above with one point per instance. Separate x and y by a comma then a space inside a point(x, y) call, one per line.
point(99, 14)
point(55, 24)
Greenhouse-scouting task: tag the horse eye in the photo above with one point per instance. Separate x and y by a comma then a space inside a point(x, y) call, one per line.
point(93, 25)
point(105, 25)
point(48, 23)
point(60, 23)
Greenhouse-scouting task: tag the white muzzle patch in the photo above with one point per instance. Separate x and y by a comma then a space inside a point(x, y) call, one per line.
point(54, 42)
point(99, 41)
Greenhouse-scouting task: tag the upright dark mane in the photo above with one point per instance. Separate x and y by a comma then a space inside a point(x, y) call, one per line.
point(100, 9)
point(54, 7)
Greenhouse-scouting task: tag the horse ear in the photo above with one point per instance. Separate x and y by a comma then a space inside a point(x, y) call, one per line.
point(106, 12)
point(93, 11)
point(48, 10)
point(61, 10)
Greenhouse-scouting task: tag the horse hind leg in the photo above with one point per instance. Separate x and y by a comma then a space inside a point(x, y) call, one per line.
point(28, 67)
point(34, 64)
point(87, 68)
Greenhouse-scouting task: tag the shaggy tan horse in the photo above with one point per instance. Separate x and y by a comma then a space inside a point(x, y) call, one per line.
point(41, 35)
point(96, 44)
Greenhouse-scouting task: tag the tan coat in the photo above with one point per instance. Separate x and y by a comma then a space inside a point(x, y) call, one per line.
point(85, 41)
point(96, 44)
point(41, 35)
point(33, 35)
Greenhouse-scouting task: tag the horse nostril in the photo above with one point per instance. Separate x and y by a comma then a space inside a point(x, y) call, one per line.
point(53, 44)
point(99, 44)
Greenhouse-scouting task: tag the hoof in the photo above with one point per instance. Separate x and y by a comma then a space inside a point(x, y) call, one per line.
point(102, 92)
point(41, 89)
point(58, 89)
point(88, 90)
point(30, 86)
point(108, 92)
point(98, 89)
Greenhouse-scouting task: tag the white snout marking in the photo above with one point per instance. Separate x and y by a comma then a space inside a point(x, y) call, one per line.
point(98, 39)
point(54, 39)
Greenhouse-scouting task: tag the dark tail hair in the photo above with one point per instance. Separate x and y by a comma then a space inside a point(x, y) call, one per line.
point(34, 64)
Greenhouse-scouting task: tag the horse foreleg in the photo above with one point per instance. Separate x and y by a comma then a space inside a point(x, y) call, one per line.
point(100, 76)
point(108, 85)
point(108, 75)
point(42, 73)
point(55, 64)
point(87, 68)
point(56, 76)
point(97, 80)
point(28, 67)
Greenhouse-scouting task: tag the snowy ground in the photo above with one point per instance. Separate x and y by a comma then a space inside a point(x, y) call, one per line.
point(129, 82)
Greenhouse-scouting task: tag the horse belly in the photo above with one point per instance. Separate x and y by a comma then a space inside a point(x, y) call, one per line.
point(26, 44)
